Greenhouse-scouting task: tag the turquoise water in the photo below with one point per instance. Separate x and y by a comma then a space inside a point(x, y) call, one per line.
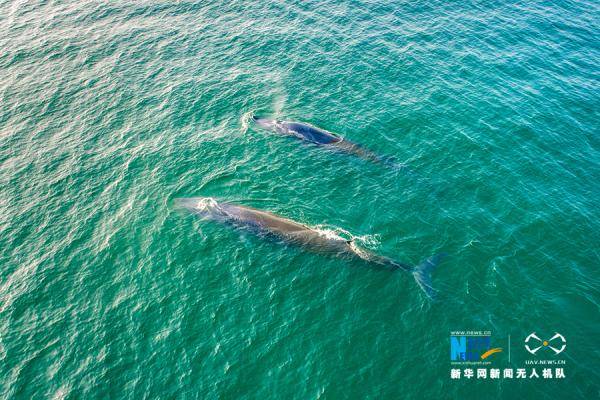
point(111, 110)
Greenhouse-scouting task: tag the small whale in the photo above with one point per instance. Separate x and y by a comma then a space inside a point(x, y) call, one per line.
point(268, 224)
point(321, 137)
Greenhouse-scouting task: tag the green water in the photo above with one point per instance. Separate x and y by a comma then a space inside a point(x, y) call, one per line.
point(111, 110)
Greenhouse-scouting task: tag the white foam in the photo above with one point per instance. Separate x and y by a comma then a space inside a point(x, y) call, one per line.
point(355, 242)
point(245, 121)
point(370, 241)
point(360, 252)
point(332, 233)
point(206, 203)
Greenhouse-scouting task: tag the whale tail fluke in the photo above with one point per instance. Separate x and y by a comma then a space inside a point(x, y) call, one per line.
point(422, 274)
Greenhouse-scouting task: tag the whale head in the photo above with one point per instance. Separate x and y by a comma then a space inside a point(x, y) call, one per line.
point(269, 124)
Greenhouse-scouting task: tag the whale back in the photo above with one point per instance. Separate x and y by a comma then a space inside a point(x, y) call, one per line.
point(299, 129)
point(262, 219)
point(311, 134)
point(284, 228)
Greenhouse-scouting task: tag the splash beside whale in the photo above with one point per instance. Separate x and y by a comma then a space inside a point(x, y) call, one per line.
point(288, 231)
point(318, 136)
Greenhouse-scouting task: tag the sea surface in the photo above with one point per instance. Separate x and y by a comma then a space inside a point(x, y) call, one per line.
point(111, 110)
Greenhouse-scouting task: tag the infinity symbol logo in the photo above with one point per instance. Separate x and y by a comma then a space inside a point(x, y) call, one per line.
point(535, 341)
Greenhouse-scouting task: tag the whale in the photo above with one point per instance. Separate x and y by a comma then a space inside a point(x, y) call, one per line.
point(284, 230)
point(321, 137)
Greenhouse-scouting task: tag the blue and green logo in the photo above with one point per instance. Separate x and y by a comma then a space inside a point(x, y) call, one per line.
point(471, 347)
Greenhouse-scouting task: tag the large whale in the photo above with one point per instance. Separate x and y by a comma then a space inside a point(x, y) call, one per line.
point(288, 231)
point(324, 138)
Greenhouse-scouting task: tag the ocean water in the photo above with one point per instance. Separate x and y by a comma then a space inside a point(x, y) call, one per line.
point(110, 110)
